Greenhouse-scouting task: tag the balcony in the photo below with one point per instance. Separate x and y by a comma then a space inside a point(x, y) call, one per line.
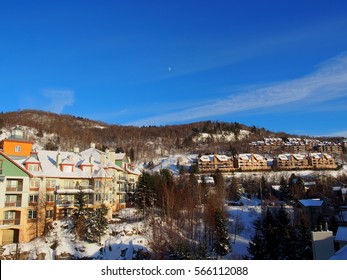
point(75, 189)
point(13, 204)
point(68, 203)
point(14, 189)
point(10, 222)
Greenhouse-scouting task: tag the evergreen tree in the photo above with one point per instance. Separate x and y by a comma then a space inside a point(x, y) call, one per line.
point(233, 190)
point(257, 247)
point(285, 234)
point(96, 225)
point(80, 216)
point(222, 245)
point(145, 193)
point(277, 239)
point(284, 191)
point(303, 244)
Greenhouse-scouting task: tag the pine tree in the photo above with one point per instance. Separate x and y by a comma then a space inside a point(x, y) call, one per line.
point(303, 243)
point(96, 225)
point(257, 247)
point(284, 189)
point(222, 245)
point(285, 234)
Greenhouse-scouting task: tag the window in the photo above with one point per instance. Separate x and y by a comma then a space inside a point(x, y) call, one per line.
point(11, 198)
point(85, 183)
point(32, 214)
point(51, 183)
point(33, 167)
point(67, 168)
point(50, 197)
point(35, 184)
point(9, 215)
point(18, 149)
point(33, 198)
point(12, 183)
point(49, 213)
point(68, 184)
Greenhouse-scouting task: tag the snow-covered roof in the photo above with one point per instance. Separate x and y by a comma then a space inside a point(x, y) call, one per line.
point(245, 156)
point(311, 202)
point(31, 159)
point(340, 254)
point(249, 156)
point(120, 156)
point(205, 158)
point(222, 157)
point(51, 168)
point(341, 234)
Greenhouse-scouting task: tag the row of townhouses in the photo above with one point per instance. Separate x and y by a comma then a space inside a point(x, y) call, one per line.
point(37, 187)
point(256, 162)
point(296, 145)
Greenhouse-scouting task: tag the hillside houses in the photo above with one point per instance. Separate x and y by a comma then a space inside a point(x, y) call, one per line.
point(256, 162)
point(210, 163)
point(39, 186)
point(252, 162)
point(276, 145)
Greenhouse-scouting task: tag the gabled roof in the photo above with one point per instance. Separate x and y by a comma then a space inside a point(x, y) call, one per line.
point(206, 158)
point(20, 166)
point(222, 157)
point(31, 160)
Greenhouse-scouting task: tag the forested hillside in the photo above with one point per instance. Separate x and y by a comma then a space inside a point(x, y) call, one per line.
point(53, 131)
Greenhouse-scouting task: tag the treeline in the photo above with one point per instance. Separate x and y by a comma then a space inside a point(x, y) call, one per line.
point(148, 142)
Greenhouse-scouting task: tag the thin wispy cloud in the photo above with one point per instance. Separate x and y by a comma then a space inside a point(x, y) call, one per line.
point(58, 99)
point(327, 82)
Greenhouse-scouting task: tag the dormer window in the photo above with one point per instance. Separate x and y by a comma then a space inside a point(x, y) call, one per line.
point(18, 149)
point(67, 168)
point(33, 167)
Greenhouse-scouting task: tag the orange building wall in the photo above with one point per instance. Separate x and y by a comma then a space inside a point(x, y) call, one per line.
point(9, 147)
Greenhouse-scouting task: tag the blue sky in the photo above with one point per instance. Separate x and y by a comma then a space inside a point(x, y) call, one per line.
point(281, 65)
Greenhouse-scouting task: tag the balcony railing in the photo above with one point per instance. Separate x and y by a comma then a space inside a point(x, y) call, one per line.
point(68, 203)
point(14, 189)
point(13, 204)
point(10, 222)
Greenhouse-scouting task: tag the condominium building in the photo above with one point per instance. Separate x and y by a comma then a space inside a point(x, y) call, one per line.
point(40, 186)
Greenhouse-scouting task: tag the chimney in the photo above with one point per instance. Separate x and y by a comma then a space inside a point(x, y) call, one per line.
point(103, 159)
point(76, 150)
point(58, 160)
point(91, 159)
point(107, 152)
point(92, 145)
point(112, 157)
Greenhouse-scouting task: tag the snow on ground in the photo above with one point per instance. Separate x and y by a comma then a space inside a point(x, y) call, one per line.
point(128, 238)
point(124, 241)
point(241, 229)
point(226, 136)
point(173, 163)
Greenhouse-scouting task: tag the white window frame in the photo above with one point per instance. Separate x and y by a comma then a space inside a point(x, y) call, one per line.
point(32, 214)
